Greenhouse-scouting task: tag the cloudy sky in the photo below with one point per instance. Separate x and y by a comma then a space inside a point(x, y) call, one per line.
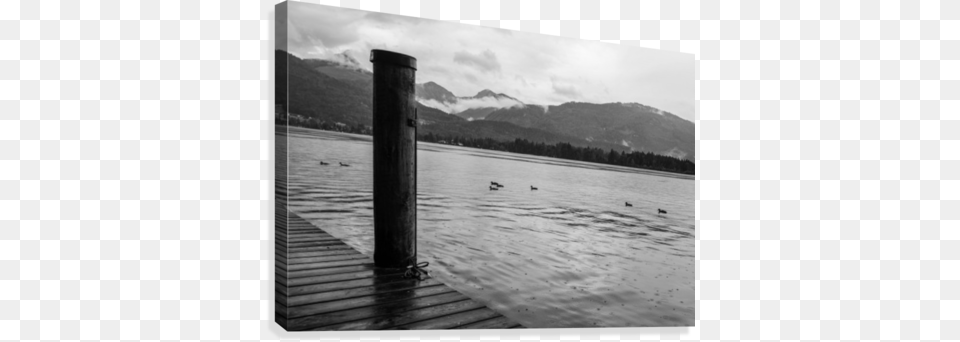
point(465, 59)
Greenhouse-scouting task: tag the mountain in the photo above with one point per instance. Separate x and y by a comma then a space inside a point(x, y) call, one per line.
point(476, 113)
point(347, 70)
point(317, 90)
point(490, 93)
point(624, 126)
point(475, 107)
point(331, 98)
point(336, 93)
point(344, 69)
point(317, 95)
point(432, 91)
point(633, 126)
point(486, 97)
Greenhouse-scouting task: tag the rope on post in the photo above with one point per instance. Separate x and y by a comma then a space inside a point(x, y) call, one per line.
point(417, 271)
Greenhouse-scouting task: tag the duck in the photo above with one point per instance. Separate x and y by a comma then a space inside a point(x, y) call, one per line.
point(494, 188)
point(494, 183)
point(322, 163)
point(628, 204)
point(499, 185)
point(661, 211)
point(532, 188)
point(342, 164)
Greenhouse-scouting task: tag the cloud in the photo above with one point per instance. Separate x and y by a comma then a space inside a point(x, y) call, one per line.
point(470, 77)
point(522, 80)
point(567, 91)
point(313, 27)
point(485, 61)
point(346, 59)
point(470, 103)
point(536, 69)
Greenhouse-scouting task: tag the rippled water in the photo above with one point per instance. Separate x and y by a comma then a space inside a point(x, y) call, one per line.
point(570, 254)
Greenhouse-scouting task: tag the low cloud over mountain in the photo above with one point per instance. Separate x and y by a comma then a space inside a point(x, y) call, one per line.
point(485, 61)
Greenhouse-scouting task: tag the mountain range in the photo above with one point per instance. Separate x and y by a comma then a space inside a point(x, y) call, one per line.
point(468, 107)
point(340, 91)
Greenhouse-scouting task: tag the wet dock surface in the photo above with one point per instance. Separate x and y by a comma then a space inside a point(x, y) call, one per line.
point(324, 284)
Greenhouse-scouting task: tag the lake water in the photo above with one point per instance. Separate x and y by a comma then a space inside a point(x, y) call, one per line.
point(570, 254)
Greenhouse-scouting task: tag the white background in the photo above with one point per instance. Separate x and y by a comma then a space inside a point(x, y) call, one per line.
point(136, 165)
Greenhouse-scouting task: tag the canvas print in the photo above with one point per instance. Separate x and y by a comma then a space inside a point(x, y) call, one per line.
point(436, 175)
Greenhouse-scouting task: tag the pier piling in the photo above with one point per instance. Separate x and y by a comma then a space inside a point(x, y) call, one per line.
point(394, 159)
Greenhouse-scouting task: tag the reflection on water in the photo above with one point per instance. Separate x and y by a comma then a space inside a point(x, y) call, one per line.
point(570, 254)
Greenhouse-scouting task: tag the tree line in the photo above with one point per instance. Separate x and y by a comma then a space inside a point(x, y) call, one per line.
point(308, 122)
point(635, 159)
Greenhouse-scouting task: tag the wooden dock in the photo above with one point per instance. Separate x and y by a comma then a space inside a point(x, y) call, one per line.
point(324, 284)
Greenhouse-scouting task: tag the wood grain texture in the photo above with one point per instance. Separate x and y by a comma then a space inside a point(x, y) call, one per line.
point(394, 161)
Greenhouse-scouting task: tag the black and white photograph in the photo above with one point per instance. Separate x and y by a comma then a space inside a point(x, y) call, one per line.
point(435, 175)
point(479, 170)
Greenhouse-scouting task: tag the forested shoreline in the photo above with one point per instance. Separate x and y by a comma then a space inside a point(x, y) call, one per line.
point(635, 159)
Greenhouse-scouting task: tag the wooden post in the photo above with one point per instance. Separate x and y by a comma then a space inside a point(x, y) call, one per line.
point(394, 159)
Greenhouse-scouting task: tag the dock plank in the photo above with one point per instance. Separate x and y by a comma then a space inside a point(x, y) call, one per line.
point(340, 277)
point(297, 239)
point(331, 270)
point(317, 321)
point(345, 284)
point(378, 298)
point(314, 244)
point(319, 249)
point(324, 284)
point(326, 258)
point(319, 265)
point(406, 317)
point(321, 253)
point(451, 321)
point(360, 291)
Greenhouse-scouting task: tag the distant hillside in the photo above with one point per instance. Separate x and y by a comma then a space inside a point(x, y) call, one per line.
point(433, 91)
point(486, 101)
point(335, 94)
point(503, 131)
point(624, 126)
point(347, 72)
point(630, 125)
point(340, 97)
point(316, 95)
point(475, 107)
